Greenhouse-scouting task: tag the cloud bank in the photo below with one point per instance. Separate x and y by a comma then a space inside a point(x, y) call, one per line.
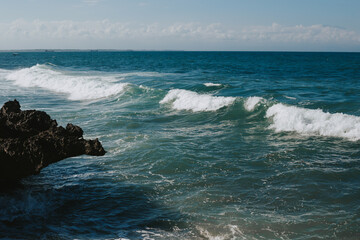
point(21, 34)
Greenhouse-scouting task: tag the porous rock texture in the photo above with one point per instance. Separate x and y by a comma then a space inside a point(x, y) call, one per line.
point(30, 140)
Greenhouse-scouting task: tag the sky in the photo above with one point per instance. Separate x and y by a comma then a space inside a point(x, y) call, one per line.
point(200, 25)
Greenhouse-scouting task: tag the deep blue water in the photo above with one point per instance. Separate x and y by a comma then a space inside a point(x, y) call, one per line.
point(201, 145)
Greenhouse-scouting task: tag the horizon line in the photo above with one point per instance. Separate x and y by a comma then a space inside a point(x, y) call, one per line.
point(164, 50)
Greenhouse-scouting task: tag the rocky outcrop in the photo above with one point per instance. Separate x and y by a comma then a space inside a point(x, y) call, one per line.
point(30, 140)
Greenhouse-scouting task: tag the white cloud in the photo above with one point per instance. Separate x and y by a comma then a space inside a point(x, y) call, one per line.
point(108, 34)
point(108, 30)
point(299, 33)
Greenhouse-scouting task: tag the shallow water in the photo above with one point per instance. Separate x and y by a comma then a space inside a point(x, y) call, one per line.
point(201, 145)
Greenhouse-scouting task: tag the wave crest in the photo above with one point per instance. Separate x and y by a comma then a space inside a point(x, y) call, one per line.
point(252, 102)
point(314, 122)
point(188, 100)
point(209, 84)
point(78, 87)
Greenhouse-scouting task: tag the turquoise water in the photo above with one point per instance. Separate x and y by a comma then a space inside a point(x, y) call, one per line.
point(200, 145)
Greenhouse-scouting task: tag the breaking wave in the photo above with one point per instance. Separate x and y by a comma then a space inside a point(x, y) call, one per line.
point(4, 72)
point(213, 84)
point(77, 86)
point(187, 100)
point(252, 102)
point(94, 85)
point(313, 122)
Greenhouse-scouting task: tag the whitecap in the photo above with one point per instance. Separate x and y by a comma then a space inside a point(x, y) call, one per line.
point(314, 122)
point(4, 72)
point(288, 97)
point(144, 74)
point(252, 102)
point(212, 84)
point(187, 100)
point(77, 86)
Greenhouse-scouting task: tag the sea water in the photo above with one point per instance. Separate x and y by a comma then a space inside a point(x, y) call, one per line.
point(200, 145)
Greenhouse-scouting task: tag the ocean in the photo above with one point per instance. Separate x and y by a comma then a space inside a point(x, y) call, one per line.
point(200, 145)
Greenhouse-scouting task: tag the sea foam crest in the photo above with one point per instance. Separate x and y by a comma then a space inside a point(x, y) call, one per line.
point(4, 72)
point(212, 84)
point(79, 87)
point(144, 74)
point(314, 122)
point(252, 102)
point(188, 100)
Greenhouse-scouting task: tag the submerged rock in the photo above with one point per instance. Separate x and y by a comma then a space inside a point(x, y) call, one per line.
point(30, 140)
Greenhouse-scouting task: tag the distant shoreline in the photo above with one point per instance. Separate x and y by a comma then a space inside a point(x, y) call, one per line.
point(145, 50)
point(87, 50)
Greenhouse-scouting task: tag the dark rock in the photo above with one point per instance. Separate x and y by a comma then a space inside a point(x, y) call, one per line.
point(30, 140)
point(11, 106)
point(74, 130)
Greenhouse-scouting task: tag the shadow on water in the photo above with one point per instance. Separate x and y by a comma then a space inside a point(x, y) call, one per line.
point(10, 187)
point(90, 209)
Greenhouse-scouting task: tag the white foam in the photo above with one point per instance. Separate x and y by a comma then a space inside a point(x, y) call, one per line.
point(3, 80)
point(292, 98)
point(314, 122)
point(143, 74)
point(188, 100)
point(212, 84)
point(252, 102)
point(4, 72)
point(221, 232)
point(77, 86)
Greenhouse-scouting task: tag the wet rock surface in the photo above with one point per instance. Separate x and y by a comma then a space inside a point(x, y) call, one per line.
point(30, 140)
